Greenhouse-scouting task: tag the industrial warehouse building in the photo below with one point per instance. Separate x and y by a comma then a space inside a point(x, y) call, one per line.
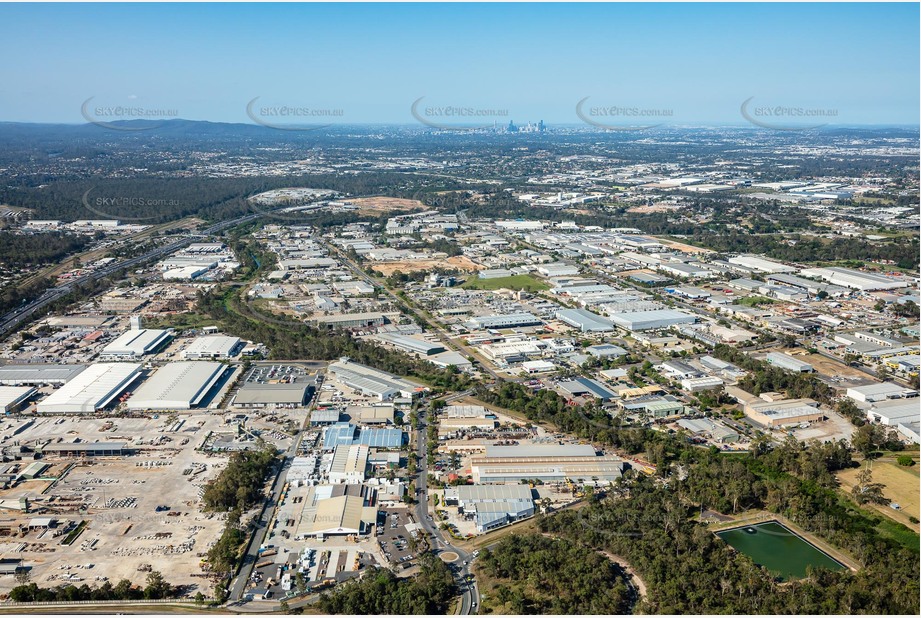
point(696, 385)
point(761, 265)
point(650, 320)
point(346, 434)
point(900, 414)
point(333, 510)
point(38, 375)
point(812, 287)
point(704, 426)
point(412, 344)
point(178, 386)
point(12, 398)
point(783, 412)
point(511, 320)
point(134, 344)
point(785, 361)
point(491, 506)
point(872, 393)
point(857, 280)
point(86, 449)
point(93, 389)
point(280, 395)
point(349, 464)
point(585, 320)
point(685, 271)
point(578, 463)
point(587, 387)
point(375, 414)
point(606, 350)
point(212, 347)
point(372, 382)
point(893, 412)
point(511, 350)
point(324, 416)
point(353, 320)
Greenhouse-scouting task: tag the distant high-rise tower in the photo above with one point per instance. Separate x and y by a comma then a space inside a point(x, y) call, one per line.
point(511, 127)
point(137, 323)
point(541, 126)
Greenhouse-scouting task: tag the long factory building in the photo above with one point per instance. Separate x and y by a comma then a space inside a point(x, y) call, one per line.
point(857, 280)
point(178, 386)
point(211, 347)
point(368, 381)
point(585, 320)
point(93, 389)
point(510, 320)
point(492, 506)
point(651, 320)
point(412, 344)
point(578, 463)
point(38, 374)
point(135, 343)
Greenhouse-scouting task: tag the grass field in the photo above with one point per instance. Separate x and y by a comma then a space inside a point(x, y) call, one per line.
point(515, 282)
point(901, 486)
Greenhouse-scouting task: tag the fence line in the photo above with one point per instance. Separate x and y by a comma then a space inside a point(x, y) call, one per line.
point(205, 601)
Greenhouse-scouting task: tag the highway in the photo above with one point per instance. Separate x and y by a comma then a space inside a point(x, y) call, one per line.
point(17, 316)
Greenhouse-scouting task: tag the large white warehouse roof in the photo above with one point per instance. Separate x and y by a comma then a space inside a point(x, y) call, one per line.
point(858, 280)
point(761, 264)
point(177, 386)
point(211, 346)
point(136, 343)
point(646, 320)
point(91, 390)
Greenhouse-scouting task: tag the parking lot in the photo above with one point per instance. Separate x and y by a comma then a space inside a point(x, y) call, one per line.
point(394, 538)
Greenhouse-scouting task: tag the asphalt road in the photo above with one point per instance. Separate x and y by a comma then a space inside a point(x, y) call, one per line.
point(238, 585)
point(442, 334)
point(470, 595)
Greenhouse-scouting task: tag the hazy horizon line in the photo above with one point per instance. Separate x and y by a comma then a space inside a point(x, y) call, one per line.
point(467, 127)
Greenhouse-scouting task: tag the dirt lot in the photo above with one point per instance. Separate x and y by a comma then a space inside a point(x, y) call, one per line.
point(835, 427)
point(901, 486)
point(142, 509)
point(681, 246)
point(458, 262)
point(831, 369)
point(376, 205)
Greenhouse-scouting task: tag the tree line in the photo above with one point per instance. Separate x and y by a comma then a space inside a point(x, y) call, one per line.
point(31, 250)
point(156, 588)
point(291, 339)
point(688, 570)
point(381, 592)
point(537, 575)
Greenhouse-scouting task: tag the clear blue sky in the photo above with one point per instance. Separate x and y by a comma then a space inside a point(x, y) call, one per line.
point(536, 60)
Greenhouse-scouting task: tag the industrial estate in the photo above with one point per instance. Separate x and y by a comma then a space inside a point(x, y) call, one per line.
point(510, 367)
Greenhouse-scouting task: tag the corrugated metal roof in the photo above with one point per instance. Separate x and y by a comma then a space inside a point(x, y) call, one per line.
point(91, 389)
point(180, 385)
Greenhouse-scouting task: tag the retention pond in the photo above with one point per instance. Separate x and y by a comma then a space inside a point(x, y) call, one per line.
point(778, 549)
